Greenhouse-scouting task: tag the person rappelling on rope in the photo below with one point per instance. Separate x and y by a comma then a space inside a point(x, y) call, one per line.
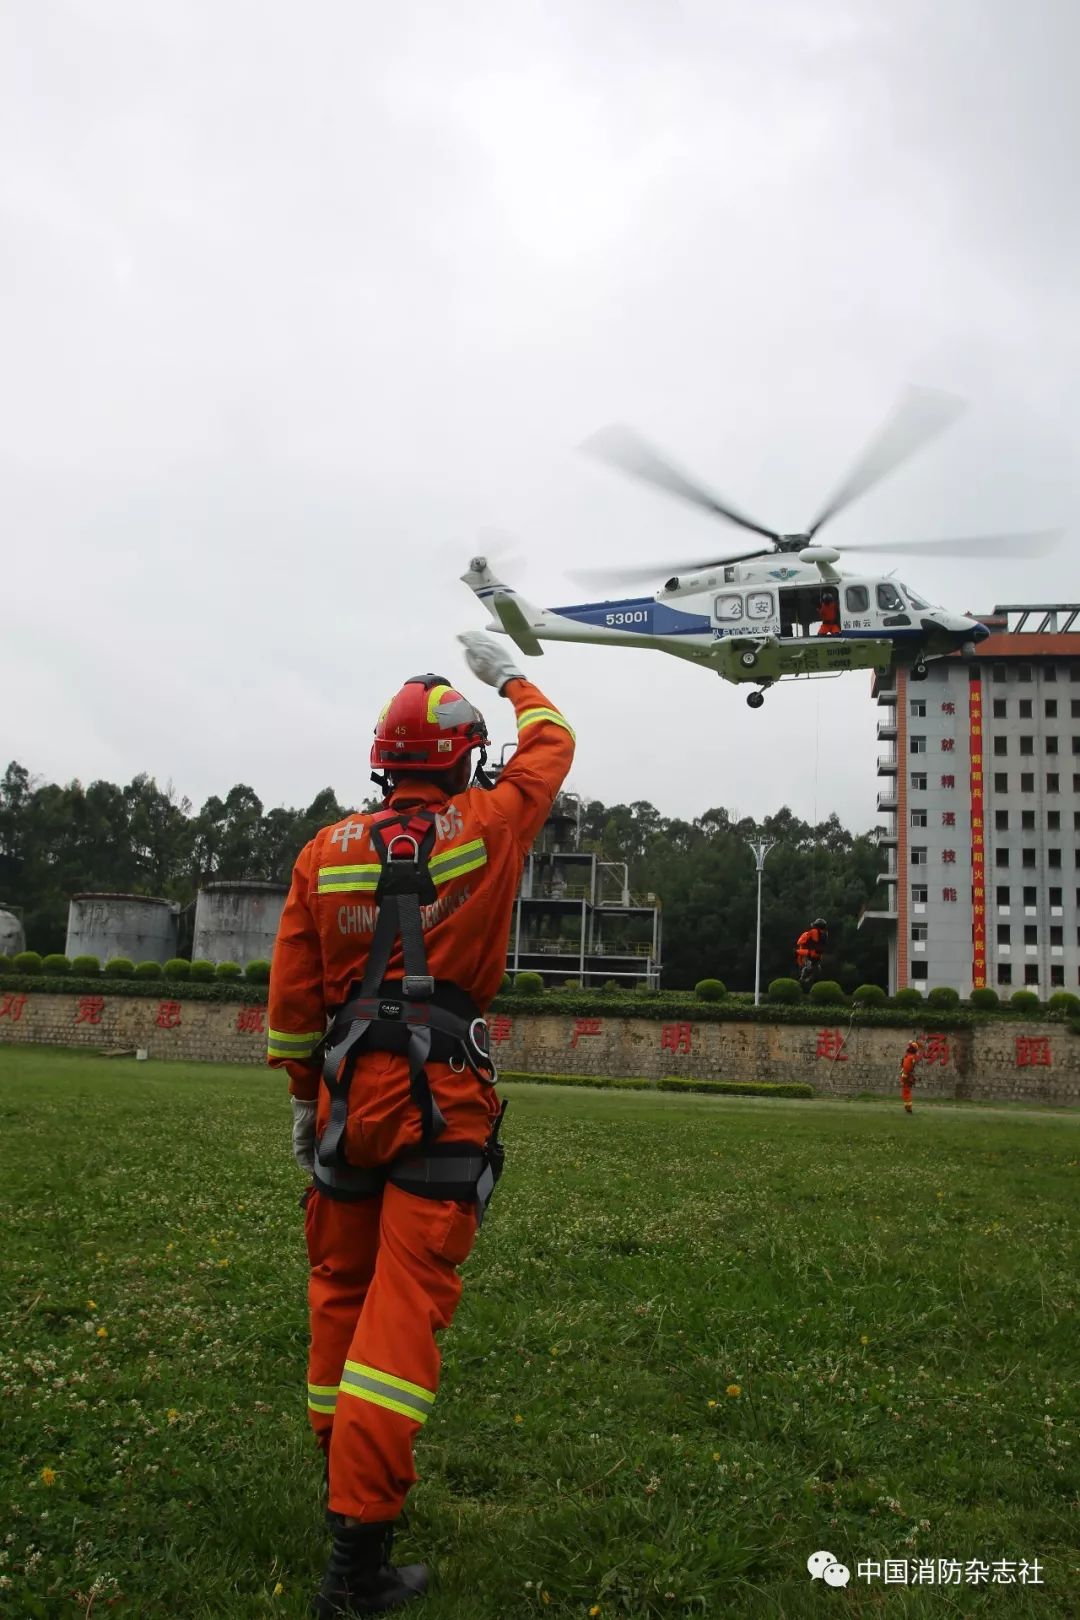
point(830, 614)
point(392, 944)
point(912, 1055)
point(809, 949)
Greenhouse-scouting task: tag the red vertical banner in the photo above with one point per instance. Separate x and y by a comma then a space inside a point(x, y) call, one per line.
point(978, 837)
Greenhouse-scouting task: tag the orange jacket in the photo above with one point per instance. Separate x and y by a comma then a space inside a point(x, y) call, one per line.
point(909, 1061)
point(810, 943)
point(483, 837)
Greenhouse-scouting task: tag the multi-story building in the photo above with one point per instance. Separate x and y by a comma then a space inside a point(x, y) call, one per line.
point(980, 783)
point(575, 917)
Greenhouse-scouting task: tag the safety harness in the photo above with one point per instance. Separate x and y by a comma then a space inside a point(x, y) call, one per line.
point(418, 1016)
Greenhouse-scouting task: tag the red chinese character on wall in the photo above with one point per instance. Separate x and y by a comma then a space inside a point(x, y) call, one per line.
point(584, 1026)
point(948, 856)
point(948, 708)
point(948, 818)
point(947, 745)
point(829, 1045)
point(1033, 1052)
point(11, 1006)
point(500, 1028)
point(675, 1038)
point(168, 1015)
point(251, 1020)
point(949, 896)
point(936, 1049)
point(89, 1009)
point(948, 781)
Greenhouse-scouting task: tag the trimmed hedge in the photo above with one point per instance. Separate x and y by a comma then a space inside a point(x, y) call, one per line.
point(55, 964)
point(529, 984)
point(985, 999)
point(201, 971)
point(785, 992)
point(571, 984)
point(827, 993)
point(870, 995)
point(1064, 1003)
point(505, 983)
point(5, 964)
point(149, 970)
point(909, 997)
point(178, 967)
point(737, 1088)
point(121, 967)
point(943, 995)
point(257, 972)
point(85, 965)
point(710, 989)
point(594, 1082)
point(1024, 1001)
point(229, 970)
point(26, 962)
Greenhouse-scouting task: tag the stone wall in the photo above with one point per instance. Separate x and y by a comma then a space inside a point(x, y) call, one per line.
point(1006, 1060)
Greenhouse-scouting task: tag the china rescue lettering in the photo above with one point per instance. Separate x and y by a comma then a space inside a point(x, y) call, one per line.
point(362, 919)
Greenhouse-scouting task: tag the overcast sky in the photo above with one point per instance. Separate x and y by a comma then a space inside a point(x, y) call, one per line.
point(296, 300)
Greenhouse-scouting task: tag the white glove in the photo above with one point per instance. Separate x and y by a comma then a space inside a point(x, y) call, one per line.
point(303, 1134)
point(488, 661)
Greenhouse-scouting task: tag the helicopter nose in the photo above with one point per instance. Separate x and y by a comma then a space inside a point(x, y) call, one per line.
point(979, 632)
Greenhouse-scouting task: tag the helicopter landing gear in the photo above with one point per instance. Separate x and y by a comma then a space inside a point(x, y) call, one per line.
point(755, 699)
point(919, 672)
point(748, 659)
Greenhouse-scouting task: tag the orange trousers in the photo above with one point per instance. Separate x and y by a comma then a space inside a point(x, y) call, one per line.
point(383, 1283)
point(905, 1092)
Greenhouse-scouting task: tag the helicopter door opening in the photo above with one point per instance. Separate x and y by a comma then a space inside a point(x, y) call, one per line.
point(809, 610)
point(750, 612)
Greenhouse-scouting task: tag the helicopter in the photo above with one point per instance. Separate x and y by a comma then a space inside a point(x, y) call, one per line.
point(783, 610)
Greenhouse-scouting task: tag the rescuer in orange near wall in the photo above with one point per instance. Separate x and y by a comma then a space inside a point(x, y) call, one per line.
point(912, 1054)
point(396, 930)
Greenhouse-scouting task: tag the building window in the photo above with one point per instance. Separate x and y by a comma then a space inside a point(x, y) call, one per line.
point(1053, 782)
point(1030, 896)
point(1025, 708)
point(1076, 782)
point(1001, 782)
point(1076, 821)
point(919, 893)
point(1023, 672)
point(918, 856)
point(1001, 708)
point(857, 599)
point(1031, 934)
point(1056, 936)
point(1050, 708)
point(1053, 821)
point(1001, 858)
point(1049, 672)
point(1027, 782)
point(1031, 974)
point(1057, 975)
point(1055, 897)
point(920, 931)
point(1050, 744)
point(1076, 745)
point(1004, 973)
point(1027, 745)
point(1001, 746)
point(998, 672)
point(918, 781)
point(1074, 708)
point(918, 708)
point(1001, 820)
point(918, 818)
point(1027, 857)
point(1053, 859)
point(1004, 933)
point(1027, 821)
point(920, 970)
point(918, 745)
point(1003, 895)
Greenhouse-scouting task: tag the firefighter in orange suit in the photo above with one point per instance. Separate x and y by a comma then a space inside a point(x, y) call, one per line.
point(395, 934)
point(912, 1054)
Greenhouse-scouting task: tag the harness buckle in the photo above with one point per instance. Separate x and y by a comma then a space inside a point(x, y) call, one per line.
point(418, 986)
point(403, 838)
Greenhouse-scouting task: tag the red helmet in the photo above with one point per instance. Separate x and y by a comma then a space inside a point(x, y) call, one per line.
point(427, 726)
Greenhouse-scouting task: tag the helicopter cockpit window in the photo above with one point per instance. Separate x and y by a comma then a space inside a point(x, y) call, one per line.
point(888, 599)
point(916, 601)
point(729, 575)
point(857, 599)
point(729, 608)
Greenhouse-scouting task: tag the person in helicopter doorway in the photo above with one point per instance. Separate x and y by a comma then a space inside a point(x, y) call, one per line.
point(830, 614)
point(809, 949)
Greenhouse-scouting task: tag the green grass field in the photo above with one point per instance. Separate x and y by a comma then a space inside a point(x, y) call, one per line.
point(700, 1339)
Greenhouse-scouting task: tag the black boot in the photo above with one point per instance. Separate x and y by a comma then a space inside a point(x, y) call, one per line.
point(359, 1578)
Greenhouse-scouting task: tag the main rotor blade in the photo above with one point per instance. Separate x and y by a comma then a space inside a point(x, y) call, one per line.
point(625, 450)
point(920, 415)
point(638, 573)
point(1033, 543)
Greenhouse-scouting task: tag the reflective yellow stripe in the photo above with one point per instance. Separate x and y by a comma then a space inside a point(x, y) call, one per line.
point(384, 1389)
point(533, 717)
point(454, 863)
point(283, 1043)
point(435, 697)
point(322, 1397)
point(426, 1395)
point(342, 879)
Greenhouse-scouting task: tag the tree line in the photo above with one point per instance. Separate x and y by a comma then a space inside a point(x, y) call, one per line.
point(56, 841)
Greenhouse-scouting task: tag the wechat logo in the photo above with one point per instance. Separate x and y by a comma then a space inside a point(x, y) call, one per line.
point(823, 1567)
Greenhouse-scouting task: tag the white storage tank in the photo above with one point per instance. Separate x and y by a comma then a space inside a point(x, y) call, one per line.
point(142, 927)
point(237, 922)
point(12, 937)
